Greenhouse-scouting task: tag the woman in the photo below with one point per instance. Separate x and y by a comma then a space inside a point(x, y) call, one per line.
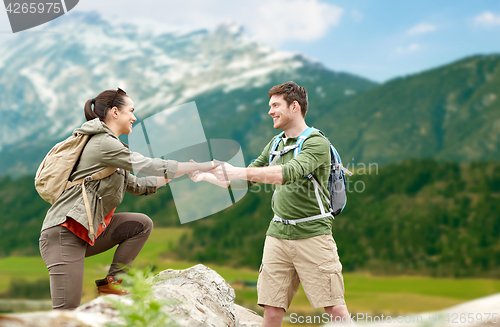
point(66, 238)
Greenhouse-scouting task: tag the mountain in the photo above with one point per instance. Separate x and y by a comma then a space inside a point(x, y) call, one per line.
point(447, 113)
point(46, 78)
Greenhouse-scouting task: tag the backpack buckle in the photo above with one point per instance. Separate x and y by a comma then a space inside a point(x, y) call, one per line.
point(89, 179)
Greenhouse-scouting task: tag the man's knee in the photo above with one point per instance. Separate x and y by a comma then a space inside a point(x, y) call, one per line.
point(338, 311)
point(273, 312)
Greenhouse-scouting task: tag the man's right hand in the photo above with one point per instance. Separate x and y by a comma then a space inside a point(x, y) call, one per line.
point(196, 176)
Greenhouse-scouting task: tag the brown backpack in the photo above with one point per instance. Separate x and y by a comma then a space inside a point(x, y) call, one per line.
point(52, 176)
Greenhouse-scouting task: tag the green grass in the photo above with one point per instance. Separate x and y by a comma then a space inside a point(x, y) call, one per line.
point(29, 268)
point(364, 293)
point(461, 289)
point(397, 295)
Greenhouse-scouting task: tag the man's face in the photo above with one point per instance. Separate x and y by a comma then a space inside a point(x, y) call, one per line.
point(281, 113)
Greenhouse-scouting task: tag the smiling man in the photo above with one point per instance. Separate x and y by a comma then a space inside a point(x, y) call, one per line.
point(299, 246)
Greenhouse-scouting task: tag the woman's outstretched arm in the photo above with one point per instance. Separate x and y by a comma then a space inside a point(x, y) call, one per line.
point(195, 168)
point(189, 167)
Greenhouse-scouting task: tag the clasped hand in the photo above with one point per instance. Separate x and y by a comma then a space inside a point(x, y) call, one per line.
point(223, 171)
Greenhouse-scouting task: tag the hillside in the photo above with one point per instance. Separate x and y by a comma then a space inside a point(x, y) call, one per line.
point(417, 217)
point(447, 113)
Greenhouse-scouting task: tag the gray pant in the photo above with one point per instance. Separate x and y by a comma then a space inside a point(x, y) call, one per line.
point(63, 253)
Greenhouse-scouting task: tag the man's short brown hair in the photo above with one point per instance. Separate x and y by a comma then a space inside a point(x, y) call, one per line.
point(291, 92)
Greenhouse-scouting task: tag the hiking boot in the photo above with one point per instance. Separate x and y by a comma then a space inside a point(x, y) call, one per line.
point(109, 285)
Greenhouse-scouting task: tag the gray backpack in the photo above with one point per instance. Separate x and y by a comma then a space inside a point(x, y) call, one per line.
point(336, 181)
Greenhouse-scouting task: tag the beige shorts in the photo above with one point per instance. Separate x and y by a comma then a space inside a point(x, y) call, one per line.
point(313, 261)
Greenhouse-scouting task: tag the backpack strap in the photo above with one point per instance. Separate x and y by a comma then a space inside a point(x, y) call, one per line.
point(338, 162)
point(300, 220)
point(336, 165)
point(274, 146)
point(300, 140)
point(317, 189)
point(278, 154)
point(333, 151)
point(297, 147)
point(274, 155)
point(94, 177)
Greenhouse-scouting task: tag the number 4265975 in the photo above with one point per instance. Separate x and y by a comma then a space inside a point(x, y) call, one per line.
point(455, 318)
point(34, 7)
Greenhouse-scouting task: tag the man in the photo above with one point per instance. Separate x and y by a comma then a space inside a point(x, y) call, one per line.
point(303, 252)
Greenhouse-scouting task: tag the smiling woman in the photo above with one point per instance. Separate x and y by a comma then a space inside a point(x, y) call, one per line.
point(120, 105)
point(67, 233)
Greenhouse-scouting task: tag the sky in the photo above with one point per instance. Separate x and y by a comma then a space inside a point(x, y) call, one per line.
point(376, 39)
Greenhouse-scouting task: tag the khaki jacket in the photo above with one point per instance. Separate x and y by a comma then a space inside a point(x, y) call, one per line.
point(103, 150)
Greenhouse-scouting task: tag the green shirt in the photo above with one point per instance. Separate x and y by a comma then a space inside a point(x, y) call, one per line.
point(296, 197)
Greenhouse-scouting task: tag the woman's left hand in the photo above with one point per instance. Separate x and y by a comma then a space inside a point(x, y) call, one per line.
point(197, 176)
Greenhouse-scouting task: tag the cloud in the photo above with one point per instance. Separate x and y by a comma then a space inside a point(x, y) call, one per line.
point(276, 21)
point(421, 28)
point(408, 49)
point(487, 18)
point(271, 21)
point(357, 16)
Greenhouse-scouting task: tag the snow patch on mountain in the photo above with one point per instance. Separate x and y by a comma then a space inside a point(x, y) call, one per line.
point(46, 78)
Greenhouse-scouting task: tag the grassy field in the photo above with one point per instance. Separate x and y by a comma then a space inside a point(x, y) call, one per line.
point(364, 293)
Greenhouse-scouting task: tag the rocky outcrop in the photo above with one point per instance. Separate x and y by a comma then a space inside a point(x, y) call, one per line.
point(201, 298)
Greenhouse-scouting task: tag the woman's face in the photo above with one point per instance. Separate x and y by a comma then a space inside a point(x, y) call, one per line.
point(126, 117)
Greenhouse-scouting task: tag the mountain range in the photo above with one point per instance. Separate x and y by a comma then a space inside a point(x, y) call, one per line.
point(46, 78)
point(447, 113)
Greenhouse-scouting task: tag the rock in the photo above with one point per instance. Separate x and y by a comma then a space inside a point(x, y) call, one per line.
point(205, 297)
point(247, 317)
point(201, 298)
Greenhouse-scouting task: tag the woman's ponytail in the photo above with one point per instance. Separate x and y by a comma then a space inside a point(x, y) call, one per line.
point(89, 111)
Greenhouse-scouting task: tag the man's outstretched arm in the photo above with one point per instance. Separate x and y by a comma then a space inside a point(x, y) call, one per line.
point(315, 153)
point(199, 176)
point(267, 175)
point(221, 177)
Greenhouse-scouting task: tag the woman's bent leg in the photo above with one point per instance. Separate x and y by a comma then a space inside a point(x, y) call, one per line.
point(63, 253)
point(130, 231)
